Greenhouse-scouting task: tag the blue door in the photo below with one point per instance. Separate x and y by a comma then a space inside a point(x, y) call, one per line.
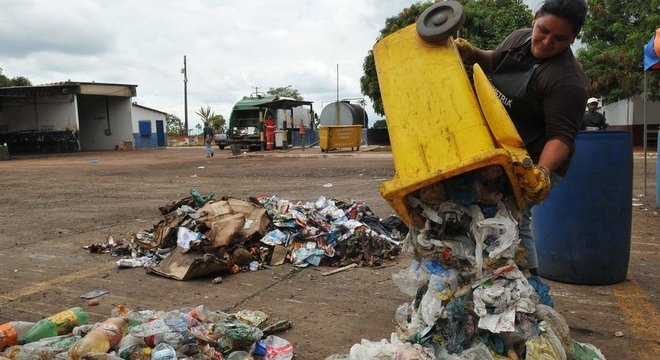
point(160, 133)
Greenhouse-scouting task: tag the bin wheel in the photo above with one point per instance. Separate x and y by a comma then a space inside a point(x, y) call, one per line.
point(440, 21)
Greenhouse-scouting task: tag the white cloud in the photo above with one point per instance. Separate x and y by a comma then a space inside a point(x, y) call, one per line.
point(231, 46)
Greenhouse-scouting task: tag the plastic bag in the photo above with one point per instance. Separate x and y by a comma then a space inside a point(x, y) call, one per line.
point(410, 279)
point(540, 348)
point(278, 348)
point(557, 323)
point(185, 236)
point(368, 350)
point(430, 308)
point(479, 352)
point(582, 351)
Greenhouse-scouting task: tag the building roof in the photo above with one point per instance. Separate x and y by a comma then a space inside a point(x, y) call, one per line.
point(70, 87)
point(148, 108)
point(274, 102)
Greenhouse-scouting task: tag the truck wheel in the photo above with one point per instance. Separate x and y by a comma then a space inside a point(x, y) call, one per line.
point(222, 147)
point(440, 21)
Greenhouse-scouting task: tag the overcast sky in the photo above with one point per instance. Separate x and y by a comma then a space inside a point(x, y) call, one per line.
point(231, 47)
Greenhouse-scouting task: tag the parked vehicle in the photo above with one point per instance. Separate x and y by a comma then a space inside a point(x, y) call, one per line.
point(244, 122)
point(221, 140)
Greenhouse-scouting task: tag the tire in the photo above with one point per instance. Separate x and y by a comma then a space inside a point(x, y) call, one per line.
point(222, 147)
point(440, 21)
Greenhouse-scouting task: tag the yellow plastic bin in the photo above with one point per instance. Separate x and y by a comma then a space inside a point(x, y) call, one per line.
point(438, 129)
point(340, 136)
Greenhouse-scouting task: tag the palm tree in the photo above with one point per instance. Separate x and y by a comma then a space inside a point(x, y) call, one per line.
point(217, 122)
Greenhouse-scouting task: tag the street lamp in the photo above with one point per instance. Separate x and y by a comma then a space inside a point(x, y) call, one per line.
point(184, 71)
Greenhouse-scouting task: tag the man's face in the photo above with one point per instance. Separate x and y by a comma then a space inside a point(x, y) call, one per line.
point(592, 106)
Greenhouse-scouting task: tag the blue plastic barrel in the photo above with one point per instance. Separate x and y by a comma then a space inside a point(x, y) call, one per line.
point(582, 230)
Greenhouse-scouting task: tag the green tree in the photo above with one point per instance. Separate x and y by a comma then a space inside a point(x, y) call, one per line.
point(287, 91)
point(16, 81)
point(487, 23)
point(379, 124)
point(174, 125)
point(217, 121)
point(614, 35)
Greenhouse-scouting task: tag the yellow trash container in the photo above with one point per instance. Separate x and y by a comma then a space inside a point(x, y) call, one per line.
point(437, 127)
point(340, 136)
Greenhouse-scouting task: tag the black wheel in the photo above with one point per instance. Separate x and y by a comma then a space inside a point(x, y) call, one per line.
point(440, 21)
point(222, 147)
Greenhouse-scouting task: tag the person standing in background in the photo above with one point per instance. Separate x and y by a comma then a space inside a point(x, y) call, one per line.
point(593, 120)
point(208, 138)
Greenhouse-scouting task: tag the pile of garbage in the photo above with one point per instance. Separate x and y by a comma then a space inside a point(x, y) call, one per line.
point(197, 333)
point(199, 236)
point(472, 296)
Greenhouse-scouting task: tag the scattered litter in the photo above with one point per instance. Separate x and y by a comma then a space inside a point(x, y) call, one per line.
point(93, 294)
point(618, 334)
point(200, 236)
point(94, 161)
point(199, 333)
point(327, 185)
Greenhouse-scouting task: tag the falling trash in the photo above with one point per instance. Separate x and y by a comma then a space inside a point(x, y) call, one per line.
point(471, 298)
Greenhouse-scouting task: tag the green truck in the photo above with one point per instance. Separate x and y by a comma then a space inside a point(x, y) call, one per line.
point(244, 125)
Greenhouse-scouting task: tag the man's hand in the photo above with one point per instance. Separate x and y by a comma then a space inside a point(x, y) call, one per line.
point(465, 49)
point(537, 185)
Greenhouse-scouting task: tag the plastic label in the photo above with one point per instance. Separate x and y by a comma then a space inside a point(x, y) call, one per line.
point(64, 321)
point(111, 331)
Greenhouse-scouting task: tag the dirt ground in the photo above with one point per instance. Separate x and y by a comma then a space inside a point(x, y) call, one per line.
point(53, 205)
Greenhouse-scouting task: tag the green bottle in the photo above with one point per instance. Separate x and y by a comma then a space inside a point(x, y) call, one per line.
point(59, 324)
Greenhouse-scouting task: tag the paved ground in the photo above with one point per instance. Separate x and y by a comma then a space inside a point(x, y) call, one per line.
point(53, 205)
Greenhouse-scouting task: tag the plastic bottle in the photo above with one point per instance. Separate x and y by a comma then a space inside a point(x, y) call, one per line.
point(100, 339)
point(58, 324)
point(204, 315)
point(12, 331)
point(128, 345)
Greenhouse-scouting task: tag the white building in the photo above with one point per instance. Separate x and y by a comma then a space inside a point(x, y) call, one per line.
point(628, 114)
point(75, 116)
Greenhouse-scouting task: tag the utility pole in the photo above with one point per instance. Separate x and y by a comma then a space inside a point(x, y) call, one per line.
point(337, 102)
point(184, 71)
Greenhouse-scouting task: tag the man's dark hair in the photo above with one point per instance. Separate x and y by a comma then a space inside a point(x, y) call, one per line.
point(574, 11)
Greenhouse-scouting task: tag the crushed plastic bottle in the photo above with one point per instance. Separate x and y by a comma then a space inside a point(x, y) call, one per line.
point(10, 332)
point(102, 338)
point(57, 324)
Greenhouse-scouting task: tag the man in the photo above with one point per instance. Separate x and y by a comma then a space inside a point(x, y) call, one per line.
point(593, 120)
point(271, 124)
point(208, 138)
